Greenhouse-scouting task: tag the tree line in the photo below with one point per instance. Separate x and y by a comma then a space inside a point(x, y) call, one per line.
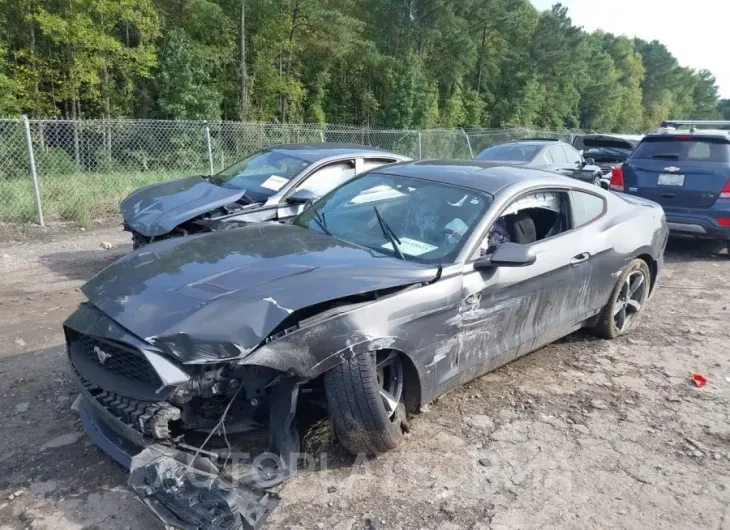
point(390, 63)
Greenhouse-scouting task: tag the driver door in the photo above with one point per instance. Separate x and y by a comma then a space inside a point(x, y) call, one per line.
point(320, 182)
point(507, 312)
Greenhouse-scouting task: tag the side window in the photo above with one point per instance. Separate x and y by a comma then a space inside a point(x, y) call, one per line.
point(372, 163)
point(586, 207)
point(572, 155)
point(529, 219)
point(328, 178)
point(558, 155)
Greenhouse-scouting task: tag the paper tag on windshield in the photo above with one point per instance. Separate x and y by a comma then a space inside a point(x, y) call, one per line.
point(412, 247)
point(274, 182)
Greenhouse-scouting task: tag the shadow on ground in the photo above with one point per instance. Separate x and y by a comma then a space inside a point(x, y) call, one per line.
point(83, 264)
point(682, 249)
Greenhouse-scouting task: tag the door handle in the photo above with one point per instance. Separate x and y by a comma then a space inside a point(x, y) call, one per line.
point(580, 258)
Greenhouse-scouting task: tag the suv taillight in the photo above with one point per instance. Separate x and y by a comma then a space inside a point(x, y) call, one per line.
point(725, 193)
point(617, 179)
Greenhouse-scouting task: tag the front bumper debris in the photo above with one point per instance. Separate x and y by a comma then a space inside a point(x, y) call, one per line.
point(185, 496)
point(220, 490)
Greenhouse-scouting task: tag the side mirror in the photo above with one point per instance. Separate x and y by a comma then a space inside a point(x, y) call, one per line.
point(507, 255)
point(590, 161)
point(301, 196)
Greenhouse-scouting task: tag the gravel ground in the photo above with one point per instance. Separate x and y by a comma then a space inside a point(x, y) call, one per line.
point(581, 434)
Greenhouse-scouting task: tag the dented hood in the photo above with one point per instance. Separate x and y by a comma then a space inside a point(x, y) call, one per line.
point(157, 209)
point(219, 295)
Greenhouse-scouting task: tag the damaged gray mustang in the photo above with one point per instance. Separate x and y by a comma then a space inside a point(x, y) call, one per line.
point(401, 284)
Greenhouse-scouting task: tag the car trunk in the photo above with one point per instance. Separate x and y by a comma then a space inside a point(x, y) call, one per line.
point(679, 173)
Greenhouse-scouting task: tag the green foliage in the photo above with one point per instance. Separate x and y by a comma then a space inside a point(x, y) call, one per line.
point(723, 109)
point(56, 161)
point(395, 63)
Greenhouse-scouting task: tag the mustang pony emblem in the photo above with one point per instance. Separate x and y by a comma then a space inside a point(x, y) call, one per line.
point(101, 354)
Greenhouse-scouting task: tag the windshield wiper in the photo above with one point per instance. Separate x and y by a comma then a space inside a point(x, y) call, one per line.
point(389, 234)
point(319, 219)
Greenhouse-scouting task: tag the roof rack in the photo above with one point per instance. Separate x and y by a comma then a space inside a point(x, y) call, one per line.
point(718, 124)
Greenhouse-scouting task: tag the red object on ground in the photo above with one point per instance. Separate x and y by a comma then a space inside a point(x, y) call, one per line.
point(699, 380)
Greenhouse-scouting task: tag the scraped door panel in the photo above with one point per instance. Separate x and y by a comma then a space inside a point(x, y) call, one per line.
point(509, 311)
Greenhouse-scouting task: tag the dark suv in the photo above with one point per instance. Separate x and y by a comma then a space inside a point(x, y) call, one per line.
point(688, 173)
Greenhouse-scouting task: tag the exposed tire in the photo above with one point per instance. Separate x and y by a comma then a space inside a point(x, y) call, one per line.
point(596, 181)
point(627, 301)
point(357, 406)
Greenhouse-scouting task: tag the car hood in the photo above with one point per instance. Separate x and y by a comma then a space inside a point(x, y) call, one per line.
point(157, 209)
point(219, 295)
point(604, 140)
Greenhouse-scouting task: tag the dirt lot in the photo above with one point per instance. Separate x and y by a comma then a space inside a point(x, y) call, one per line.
point(582, 434)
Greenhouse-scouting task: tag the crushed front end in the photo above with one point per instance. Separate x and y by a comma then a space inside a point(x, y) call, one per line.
point(202, 441)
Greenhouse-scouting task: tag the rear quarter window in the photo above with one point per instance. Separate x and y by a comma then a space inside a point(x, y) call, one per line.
point(690, 149)
point(586, 207)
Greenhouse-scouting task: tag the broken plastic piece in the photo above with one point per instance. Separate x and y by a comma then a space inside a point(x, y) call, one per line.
point(699, 380)
point(195, 498)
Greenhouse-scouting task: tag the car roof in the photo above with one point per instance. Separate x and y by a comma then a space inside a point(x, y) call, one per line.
point(319, 151)
point(699, 133)
point(531, 141)
point(489, 177)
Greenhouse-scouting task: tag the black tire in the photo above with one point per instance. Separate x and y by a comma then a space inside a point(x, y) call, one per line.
point(357, 410)
point(610, 324)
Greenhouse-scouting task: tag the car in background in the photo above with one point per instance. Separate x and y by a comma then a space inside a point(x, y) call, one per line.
point(549, 155)
point(686, 171)
point(606, 150)
point(269, 185)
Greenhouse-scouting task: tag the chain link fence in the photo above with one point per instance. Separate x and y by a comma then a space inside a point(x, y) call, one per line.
point(78, 171)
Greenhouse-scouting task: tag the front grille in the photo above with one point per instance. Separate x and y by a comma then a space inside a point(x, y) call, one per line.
point(117, 359)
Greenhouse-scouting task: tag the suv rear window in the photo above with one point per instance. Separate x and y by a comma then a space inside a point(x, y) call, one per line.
point(686, 149)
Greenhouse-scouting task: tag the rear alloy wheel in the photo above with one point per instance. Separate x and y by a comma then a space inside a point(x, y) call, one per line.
point(597, 181)
point(627, 301)
point(365, 398)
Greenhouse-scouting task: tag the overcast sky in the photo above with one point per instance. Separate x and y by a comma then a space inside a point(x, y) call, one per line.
point(696, 32)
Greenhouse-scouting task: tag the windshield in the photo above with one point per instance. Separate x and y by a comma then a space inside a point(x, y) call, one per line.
point(515, 152)
point(261, 174)
point(412, 219)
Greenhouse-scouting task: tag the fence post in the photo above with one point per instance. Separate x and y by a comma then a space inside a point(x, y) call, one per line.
point(210, 150)
point(420, 153)
point(321, 135)
point(33, 174)
point(468, 142)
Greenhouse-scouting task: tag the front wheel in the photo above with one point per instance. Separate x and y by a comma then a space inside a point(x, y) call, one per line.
point(364, 395)
point(627, 301)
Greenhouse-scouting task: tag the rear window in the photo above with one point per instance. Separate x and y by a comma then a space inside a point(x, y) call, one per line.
point(510, 152)
point(689, 149)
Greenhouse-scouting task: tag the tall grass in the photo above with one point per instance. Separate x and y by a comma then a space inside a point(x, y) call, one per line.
point(78, 197)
